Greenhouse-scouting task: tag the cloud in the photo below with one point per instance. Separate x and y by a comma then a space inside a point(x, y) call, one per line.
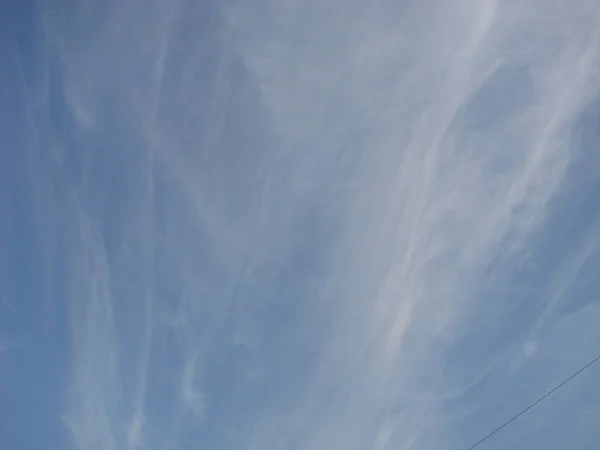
point(529, 348)
point(135, 431)
point(311, 225)
point(191, 397)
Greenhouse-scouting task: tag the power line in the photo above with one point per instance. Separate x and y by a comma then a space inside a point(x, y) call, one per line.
point(512, 419)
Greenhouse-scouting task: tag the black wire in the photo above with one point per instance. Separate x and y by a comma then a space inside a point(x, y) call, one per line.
point(512, 419)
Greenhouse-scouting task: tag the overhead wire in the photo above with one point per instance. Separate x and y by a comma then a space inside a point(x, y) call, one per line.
point(523, 411)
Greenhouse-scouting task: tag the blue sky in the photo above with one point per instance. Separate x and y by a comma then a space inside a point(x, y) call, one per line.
point(298, 225)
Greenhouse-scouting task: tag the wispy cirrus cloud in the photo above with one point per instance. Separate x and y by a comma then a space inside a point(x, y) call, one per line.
point(318, 224)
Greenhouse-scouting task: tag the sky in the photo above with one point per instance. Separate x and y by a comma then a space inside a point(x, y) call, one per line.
point(299, 225)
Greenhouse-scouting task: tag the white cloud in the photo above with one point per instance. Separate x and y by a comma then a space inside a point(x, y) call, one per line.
point(135, 431)
point(529, 348)
point(193, 399)
point(293, 220)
